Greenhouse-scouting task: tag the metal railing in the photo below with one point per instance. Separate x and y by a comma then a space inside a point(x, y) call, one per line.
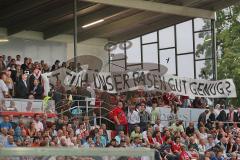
point(88, 108)
point(27, 105)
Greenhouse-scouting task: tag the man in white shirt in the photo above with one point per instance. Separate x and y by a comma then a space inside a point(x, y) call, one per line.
point(3, 86)
point(38, 123)
point(133, 118)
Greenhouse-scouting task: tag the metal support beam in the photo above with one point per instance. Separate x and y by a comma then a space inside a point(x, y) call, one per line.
point(121, 24)
point(159, 7)
point(19, 7)
point(214, 50)
point(45, 18)
point(67, 26)
point(75, 33)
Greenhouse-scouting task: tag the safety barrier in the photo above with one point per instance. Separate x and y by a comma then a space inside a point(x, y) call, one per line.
point(27, 105)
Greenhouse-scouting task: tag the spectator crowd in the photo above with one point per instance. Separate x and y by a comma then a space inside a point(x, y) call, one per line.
point(136, 118)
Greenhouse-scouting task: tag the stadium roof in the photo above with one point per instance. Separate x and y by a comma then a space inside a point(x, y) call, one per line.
point(111, 19)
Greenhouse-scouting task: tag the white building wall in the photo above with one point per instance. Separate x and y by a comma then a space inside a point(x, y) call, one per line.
point(94, 46)
point(36, 49)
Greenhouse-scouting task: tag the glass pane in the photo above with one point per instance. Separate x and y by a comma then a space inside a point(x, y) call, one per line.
point(150, 55)
point(203, 45)
point(167, 58)
point(116, 50)
point(133, 68)
point(184, 37)
point(166, 37)
point(117, 65)
point(202, 24)
point(204, 69)
point(186, 66)
point(134, 52)
point(148, 38)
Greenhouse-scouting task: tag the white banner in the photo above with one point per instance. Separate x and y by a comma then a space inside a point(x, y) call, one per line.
point(116, 82)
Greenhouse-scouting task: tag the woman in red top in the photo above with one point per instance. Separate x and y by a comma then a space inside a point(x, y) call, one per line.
point(158, 138)
point(184, 155)
point(176, 146)
point(150, 140)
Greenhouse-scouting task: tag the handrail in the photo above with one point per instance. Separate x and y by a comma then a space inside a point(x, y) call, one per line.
point(22, 104)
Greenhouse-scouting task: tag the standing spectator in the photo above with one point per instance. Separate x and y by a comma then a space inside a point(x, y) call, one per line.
point(120, 118)
point(144, 117)
point(202, 119)
point(45, 68)
point(9, 58)
point(59, 92)
point(2, 65)
point(56, 65)
point(24, 66)
point(133, 118)
point(37, 90)
point(154, 113)
point(22, 88)
point(230, 115)
point(35, 76)
point(222, 117)
point(212, 116)
point(9, 82)
point(3, 87)
point(18, 60)
point(4, 60)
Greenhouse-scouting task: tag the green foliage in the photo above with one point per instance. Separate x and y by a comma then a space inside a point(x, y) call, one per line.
point(228, 45)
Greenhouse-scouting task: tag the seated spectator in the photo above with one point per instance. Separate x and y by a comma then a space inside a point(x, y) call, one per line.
point(177, 126)
point(38, 123)
point(158, 125)
point(3, 136)
point(10, 142)
point(190, 129)
point(5, 124)
point(136, 133)
point(120, 137)
point(218, 156)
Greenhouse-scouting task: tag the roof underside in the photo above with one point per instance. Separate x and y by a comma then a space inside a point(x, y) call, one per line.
point(54, 17)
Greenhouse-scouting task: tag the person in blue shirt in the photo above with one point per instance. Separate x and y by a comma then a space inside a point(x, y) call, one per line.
point(89, 142)
point(10, 142)
point(99, 136)
point(3, 136)
point(5, 123)
point(218, 156)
